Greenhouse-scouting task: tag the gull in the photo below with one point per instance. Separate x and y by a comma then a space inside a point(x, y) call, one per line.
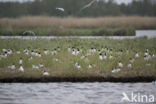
point(131, 60)
point(77, 66)
point(129, 65)
point(60, 9)
point(127, 51)
point(136, 55)
point(35, 53)
point(32, 53)
point(88, 5)
point(147, 57)
point(77, 52)
point(120, 52)
point(11, 67)
point(46, 51)
point(20, 61)
point(153, 56)
point(111, 51)
point(94, 50)
point(146, 53)
point(35, 67)
point(28, 33)
point(21, 68)
point(56, 59)
point(100, 56)
point(89, 66)
point(54, 52)
point(110, 57)
point(26, 51)
point(45, 73)
point(41, 65)
point(120, 64)
point(116, 70)
point(105, 57)
point(5, 55)
point(39, 54)
point(9, 51)
point(73, 52)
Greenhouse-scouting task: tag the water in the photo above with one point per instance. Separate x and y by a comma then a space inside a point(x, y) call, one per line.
point(71, 93)
point(139, 33)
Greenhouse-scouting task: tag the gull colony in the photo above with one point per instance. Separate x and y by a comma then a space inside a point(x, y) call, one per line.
point(103, 55)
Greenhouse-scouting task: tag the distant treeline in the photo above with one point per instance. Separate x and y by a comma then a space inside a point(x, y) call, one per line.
point(74, 8)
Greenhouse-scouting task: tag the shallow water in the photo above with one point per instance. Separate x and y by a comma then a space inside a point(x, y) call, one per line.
point(72, 93)
point(139, 33)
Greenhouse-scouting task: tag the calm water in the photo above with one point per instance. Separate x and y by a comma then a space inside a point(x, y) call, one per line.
point(139, 33)
point(71, 93)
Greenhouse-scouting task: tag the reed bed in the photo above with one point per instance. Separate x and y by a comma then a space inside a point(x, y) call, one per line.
point(45, 21)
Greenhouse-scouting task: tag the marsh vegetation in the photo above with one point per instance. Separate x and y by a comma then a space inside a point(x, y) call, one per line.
point(60, 61)
point(72, 26)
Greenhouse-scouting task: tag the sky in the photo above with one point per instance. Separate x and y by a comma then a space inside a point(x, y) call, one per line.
point(118, 1)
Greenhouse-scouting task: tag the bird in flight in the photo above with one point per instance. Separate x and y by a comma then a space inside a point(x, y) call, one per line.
point(88, 5)
point(60, 9)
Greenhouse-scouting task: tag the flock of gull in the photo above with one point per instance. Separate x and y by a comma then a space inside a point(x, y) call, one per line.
point(102, 55)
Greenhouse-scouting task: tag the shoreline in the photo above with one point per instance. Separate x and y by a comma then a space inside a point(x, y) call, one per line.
point(78, 79)
point(138, 34)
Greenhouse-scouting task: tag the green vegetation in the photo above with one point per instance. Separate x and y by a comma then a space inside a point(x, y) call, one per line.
point(65, 66)
point(54, 31)
point(71, 26)
point(74, 8)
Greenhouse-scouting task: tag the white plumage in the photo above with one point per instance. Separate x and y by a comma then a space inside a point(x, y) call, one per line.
point(21, 69)
point(45, 73)
point(77, 66)
point(100, 57)
point(61, 9)
point(120, 64)
point(89, 66)
point(116, 70)
point(20, 62)
point(12, 67)
point(137, 55)
point(129, 65)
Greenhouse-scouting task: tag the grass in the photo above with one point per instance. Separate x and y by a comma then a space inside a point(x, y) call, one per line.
point(43, 21)
point(60, 31)
point(68, 26)
point(65, 66)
